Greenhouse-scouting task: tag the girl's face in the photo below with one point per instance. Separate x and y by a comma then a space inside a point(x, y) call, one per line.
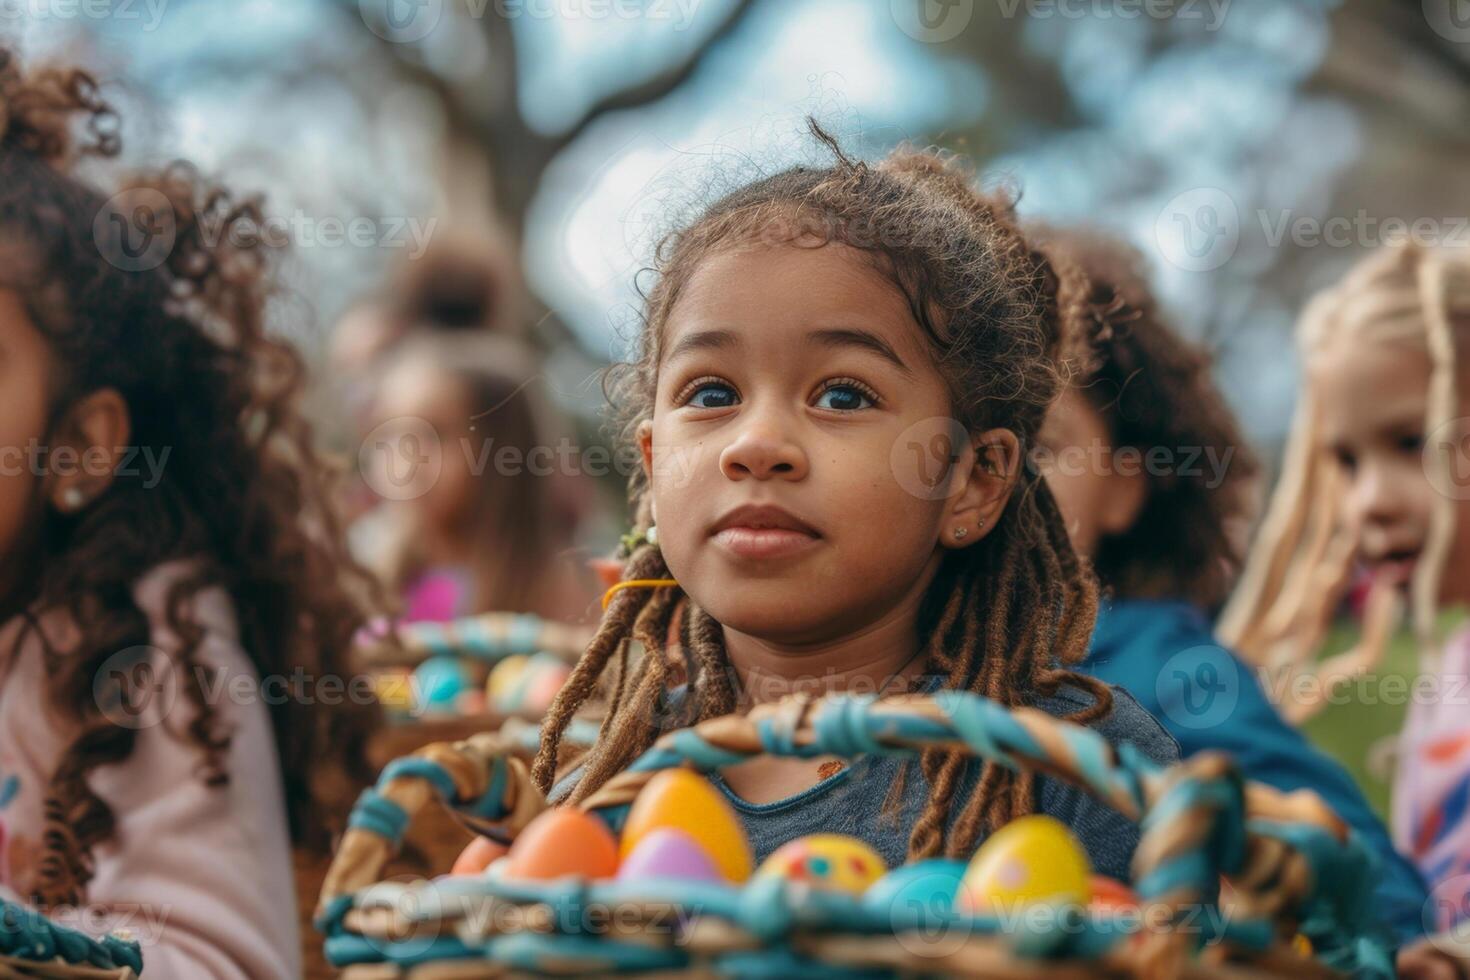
point(416, 389)
point(1374, 401)
point(788, 377)
point(25, 364)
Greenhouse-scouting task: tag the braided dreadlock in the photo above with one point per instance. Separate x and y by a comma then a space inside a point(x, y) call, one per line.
point(1000, 618)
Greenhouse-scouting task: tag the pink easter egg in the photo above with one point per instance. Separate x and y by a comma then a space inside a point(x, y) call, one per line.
point(668, 853)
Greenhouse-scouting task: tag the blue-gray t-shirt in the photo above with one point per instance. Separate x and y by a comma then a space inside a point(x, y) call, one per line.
point(851, 801)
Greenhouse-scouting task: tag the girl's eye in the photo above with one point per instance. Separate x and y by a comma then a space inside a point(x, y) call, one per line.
point(1345, 459)
point(845, 397)
point(713, 394)
point(1411, 443)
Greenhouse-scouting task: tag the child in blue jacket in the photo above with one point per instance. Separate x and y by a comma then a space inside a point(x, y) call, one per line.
point(1154, 481)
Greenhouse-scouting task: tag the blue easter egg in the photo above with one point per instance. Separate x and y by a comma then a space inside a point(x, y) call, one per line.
point(916, 891)
point(439, 682)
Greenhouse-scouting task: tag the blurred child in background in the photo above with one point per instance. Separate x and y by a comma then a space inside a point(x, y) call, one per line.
point(173, 540)
point(496, 531)
point(1155, 480)
point(1373, 480)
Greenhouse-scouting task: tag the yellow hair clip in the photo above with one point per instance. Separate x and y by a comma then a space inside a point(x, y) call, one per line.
point(636, 583)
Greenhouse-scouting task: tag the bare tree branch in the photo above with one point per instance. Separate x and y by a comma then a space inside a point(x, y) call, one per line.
point(661, 84)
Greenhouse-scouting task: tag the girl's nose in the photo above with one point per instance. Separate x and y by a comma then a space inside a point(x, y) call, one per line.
point(763, 451)
point(1377, 497)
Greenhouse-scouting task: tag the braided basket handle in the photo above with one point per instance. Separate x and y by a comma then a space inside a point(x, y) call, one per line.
point(1194, 815)
point(28, 939)
point(487, 638)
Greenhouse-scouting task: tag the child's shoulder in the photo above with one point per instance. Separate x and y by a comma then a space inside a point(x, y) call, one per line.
point(1127, 722)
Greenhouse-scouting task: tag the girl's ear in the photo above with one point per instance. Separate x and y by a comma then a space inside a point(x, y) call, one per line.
point(645, 446)
point(990, 468)
point(88, 447)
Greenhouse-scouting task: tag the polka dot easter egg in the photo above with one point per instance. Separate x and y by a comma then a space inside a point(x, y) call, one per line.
point(1033, 859)
point(831, 862)
point(686, 801)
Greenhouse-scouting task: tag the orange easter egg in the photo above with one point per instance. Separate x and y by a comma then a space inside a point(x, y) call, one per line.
point(609, 571)
point(563, 842)
point(1111, 895)
point(685, 800)
point(476, 857)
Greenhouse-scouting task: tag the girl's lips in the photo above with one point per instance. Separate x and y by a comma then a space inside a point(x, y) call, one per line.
point(1395, 570)
point(764, 542)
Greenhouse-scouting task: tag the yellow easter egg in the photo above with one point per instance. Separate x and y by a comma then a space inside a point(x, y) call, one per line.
point(832, 862)
point(1033, 859)
point(395, 690)
point(503, 678)
point(686, 801)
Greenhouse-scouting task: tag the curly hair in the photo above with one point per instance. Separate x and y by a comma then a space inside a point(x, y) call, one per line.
point(1002, 618)
point(244, 499)
point(1154, 388)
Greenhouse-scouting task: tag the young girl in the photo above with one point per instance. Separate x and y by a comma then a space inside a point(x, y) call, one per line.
point(1371, 480)
point(497, 530)
point(172, 615)
point(840, 370)
point(1163, 541)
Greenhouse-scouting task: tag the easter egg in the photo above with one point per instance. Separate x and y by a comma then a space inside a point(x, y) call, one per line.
point(668, 853)
point(831, 862)
point(476, 857)
point(1111, 895)
point(503, 678)
point(609, 571)
point(918, 889)
point(544, 686)
point(561, 842)
point(395, 690)
point(1032, 859)
point(686, 801)
point(439, 682)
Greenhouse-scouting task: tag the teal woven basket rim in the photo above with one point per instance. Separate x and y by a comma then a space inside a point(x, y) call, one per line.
point(26, 934)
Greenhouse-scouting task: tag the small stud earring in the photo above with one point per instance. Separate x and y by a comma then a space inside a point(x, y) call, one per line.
point(980, 523)
point(651, 535)
point(960, 533)
point(72, 499)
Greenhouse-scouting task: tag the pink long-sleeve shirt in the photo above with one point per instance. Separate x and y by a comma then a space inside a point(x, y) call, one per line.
point(200, 875)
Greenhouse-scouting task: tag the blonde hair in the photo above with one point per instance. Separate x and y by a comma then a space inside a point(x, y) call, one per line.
point(1299, 568)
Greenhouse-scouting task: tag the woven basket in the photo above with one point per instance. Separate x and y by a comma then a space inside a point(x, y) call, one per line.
point(1295, 869)
point(32, 946)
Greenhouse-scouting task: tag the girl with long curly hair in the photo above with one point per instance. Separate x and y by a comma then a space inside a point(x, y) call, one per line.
point(839, 374)
point(176, 601)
